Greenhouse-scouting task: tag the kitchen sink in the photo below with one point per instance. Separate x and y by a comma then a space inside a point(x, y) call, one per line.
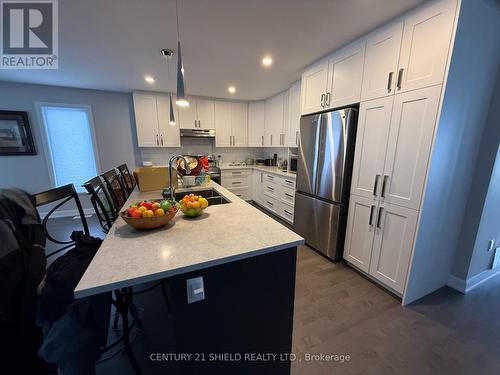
point(212, 196)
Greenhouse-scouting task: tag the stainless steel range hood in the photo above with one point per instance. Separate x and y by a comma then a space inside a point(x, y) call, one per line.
point(204, 133)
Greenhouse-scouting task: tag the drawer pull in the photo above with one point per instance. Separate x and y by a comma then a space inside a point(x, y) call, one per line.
point(235, 172)
point(270, 188)
point(236, 182)
point(270, 177)
point(289, 213)
point(288, 181)
point(289, 195)
point(269, 203)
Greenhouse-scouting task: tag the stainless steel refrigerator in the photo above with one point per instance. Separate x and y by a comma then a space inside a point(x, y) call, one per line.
point(324, 170)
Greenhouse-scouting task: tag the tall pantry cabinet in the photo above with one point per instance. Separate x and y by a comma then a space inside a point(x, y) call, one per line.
point(405, 65)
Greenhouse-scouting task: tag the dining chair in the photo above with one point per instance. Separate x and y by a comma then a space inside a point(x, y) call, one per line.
point(61, 195)
point(116, 189)
point(102, 202)
point(127, 178)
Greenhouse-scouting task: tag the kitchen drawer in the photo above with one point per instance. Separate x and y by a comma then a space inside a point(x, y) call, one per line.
point(288, 182)
point(272, 190)
point(236, 182)
point(236, 173)
point(287, 195)
point(242, 192)
point(286, 212)
point(271, 178)
point(271, 204)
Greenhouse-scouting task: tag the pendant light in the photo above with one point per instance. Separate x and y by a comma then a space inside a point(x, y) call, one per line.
point(181, 95)
point(168, 54)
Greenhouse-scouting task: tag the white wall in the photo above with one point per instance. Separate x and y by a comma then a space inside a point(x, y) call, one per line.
point(464, 113)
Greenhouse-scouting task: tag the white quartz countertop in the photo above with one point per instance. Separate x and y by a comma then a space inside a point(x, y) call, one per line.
point(222, 234)
point(272, 170)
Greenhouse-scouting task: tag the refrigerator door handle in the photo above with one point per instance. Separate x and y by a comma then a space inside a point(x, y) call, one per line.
point(370, 221)
point(383, 186)
point(375, 185)
point(380, 211)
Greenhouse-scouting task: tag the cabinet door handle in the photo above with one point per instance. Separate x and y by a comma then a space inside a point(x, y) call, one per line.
point(400, 78)
point(262, 140)
point(327, 103)
point(380, 211)
point(323, 100)
point(384, 185)
point(297, 138)
point(389, 82)
point(157, 142)
point(161, 139)
point(261, 177)
point(375, 185)
point(370, 220)
point(271, 139)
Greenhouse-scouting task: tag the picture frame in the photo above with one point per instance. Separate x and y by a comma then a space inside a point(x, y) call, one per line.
point(15, 134)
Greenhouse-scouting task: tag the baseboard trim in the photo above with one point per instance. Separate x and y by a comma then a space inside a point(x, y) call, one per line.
point(457, 283)
point(465, 286)
point(480, 278)
point(67, 213)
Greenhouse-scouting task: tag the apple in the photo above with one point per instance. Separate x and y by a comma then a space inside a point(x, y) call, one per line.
point(131, 210)
point(137, 213)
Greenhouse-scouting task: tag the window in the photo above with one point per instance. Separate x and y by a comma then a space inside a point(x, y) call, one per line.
point(71, 145)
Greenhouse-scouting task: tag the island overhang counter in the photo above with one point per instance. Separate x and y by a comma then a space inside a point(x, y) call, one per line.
point(247, 261)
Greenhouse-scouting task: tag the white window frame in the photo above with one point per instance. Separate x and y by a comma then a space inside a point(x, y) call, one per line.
point(46, 143)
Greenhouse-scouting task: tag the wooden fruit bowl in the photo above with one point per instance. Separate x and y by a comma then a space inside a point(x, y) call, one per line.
point(148, 222)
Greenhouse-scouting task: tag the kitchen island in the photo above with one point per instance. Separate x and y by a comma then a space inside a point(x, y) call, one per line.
point(247, 262)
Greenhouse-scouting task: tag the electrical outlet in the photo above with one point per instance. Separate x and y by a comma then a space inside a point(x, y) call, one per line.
point(496, 258)
point(195, 289)
point(491, 245)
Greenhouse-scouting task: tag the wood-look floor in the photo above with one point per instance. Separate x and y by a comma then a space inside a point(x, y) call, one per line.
point(337, 311)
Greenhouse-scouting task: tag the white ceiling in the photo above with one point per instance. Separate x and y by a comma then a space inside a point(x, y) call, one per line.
point(113, 44)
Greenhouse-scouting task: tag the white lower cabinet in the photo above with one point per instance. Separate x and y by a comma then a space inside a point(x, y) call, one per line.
point(392, 245)
point(379, 240)
point(239, 182)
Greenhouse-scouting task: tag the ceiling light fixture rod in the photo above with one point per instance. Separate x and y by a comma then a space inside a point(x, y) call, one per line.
point(181, 95)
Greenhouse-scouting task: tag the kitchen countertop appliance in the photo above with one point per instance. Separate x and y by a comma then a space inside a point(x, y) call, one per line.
point(324, 170)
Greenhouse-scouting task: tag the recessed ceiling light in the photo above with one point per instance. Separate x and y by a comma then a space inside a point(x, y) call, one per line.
point(231, 89)
point(149, 79)
point(267, 61)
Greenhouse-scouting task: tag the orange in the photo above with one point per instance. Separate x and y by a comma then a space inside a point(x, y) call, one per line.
point(189, 204)
point(196, 204)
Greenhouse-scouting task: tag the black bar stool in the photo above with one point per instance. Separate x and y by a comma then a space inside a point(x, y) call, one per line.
point(102, 202)
point(116, 189)
point(127, 178)
point(63, 194)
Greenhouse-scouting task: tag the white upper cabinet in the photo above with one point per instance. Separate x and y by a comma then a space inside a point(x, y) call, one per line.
point(360, 232)
point(146, 119)
point(381, 61)
point(426, 41)
point(292, 125)
point(205, 113)
point(239, 124)
point(274, 120)
point(231, 124)
point(169, 134)
point(223, 124)
point(314, 87)
point(187, 115)
point(256, 118)
point(345, 75)
point(371, 145)
point(334, 82)
point(392, 245)
point(410, 139)
point(199, 114)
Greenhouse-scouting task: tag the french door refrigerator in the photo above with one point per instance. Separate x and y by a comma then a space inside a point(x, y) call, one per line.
point(324, 170)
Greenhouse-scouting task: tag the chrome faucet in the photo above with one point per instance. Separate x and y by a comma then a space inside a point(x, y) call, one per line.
point(171, 190)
